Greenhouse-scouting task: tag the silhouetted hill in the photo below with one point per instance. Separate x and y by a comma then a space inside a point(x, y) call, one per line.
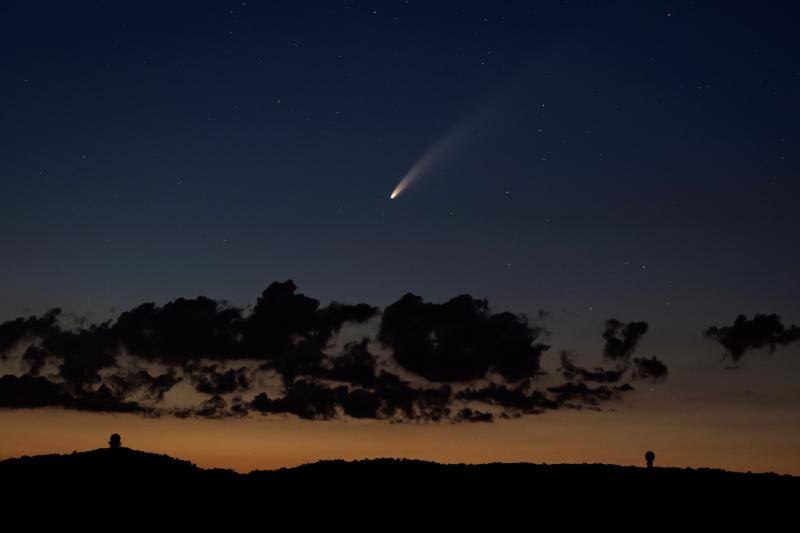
point(417, 485)
point(108, 465)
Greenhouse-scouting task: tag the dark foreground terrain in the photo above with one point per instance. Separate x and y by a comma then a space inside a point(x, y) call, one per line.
point(398, 486)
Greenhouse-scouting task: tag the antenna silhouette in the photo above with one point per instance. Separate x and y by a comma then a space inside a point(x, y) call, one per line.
point(650, 456)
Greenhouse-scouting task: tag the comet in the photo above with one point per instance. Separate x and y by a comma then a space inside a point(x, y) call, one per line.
point(490, 118)
point(455, 138)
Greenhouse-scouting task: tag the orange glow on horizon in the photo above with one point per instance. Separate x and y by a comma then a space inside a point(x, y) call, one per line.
point(679, 438)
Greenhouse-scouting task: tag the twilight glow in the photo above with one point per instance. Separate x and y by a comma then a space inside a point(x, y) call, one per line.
point(595, 259)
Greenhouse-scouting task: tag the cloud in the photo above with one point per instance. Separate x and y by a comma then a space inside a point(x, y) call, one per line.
point(281, 319)
point(468, 415)
point(180, 332)
point(391, 399)
point(455, 361)
point(214, 407)
point(188, 330)
point(571, 371)
point(35, 358)
point(622, 339)
point(460, 340)
point(209, 379)
point(568, 393)
point(184, 332)
point(362, 403)
point(402, 400)
point(762, 332)
point(355, 365)
point(652, 369)
point(305, 399)
point(29, 391)
point(12, 331)
point(516, 399)
point(139, 380)
point(522, 399)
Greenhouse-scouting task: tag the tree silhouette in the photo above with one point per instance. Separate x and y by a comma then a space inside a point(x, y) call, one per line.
point(115, 441)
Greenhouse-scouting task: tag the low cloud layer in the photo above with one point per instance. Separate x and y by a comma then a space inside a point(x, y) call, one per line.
point(622, 338)
point(601, 375)
point(652, 369)
point(30, 392)
point(457, 361)
point(762, 332)
point(460, 340)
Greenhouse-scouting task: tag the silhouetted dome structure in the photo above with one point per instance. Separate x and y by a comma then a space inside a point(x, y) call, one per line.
point(115, 441)
point(650, 456)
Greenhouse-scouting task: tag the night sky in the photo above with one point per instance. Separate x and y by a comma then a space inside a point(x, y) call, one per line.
point(634, 161)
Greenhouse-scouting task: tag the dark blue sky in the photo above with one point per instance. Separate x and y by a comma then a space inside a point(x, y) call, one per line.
point(629, 160)
point(632, 158)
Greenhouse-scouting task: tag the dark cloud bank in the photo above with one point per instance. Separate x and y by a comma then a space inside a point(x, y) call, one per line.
point(762, 332)
point(455, 361)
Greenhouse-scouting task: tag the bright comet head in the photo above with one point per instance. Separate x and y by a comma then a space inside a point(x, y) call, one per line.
point(426, 162)
point(397, 190)
point(400, 187)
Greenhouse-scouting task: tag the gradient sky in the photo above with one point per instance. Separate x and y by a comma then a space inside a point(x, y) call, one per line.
point(630, 160)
